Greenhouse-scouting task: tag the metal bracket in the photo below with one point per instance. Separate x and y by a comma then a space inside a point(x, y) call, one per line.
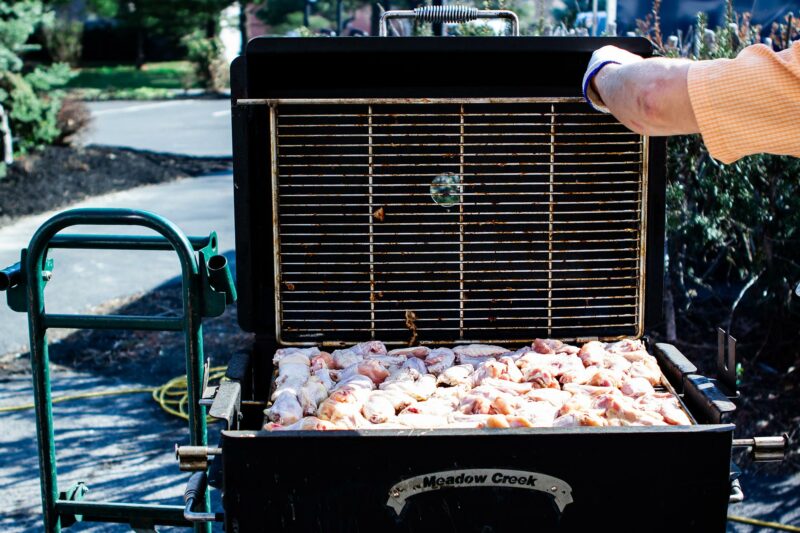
point(227, 404)
point(726, 363)
point(12, 280)
point(74, 494)
point(763, 449)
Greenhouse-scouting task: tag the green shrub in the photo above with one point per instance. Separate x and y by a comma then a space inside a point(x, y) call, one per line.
point(208, 58)
point(64, 40)
point(30, 98)
point(32, 116)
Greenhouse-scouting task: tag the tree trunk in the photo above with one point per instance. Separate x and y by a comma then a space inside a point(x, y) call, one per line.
point(243, 25)
point(669, 299)
point(139, 48)
point(669, 312)
point(211, 27)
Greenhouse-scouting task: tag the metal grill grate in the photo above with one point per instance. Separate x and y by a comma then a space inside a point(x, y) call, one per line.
point(542, 232)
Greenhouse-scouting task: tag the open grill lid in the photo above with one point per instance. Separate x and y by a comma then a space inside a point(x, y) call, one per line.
point(440, 191)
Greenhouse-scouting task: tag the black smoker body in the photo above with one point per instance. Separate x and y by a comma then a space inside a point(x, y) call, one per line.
point(547, 479)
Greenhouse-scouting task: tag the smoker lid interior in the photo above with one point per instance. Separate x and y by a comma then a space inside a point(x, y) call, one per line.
point(339, 142)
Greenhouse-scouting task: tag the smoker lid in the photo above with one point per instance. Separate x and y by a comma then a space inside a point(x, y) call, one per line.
point(440, 190)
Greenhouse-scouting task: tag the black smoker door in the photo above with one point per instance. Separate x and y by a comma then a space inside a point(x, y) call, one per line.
point(586, 479)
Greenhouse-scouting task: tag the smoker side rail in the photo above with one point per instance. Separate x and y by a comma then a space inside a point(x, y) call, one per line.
point(197, 292)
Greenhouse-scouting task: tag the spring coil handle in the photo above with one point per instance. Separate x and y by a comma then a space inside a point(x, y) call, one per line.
point(449, 14)
point(446, 14)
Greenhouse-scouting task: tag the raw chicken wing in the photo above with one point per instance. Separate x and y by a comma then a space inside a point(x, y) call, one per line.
point(416, 351)
point(439, 360)
point(456, 375)
point(309, 423)
point(286, 409)
point(311, 394)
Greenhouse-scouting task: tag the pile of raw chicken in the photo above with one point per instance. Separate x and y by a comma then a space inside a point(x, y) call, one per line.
point(471, 386)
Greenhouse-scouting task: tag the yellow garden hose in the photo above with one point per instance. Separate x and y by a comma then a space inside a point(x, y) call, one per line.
point(69, 397)
point(761, 523)
point(172, 396)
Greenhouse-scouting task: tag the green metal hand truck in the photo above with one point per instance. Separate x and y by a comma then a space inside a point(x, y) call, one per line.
point(207, 287)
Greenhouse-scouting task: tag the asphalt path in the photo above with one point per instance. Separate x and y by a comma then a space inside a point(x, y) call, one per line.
point(120, 447)
point(193, 127)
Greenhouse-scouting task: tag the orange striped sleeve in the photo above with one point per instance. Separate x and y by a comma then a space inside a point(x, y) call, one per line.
point(750, 104)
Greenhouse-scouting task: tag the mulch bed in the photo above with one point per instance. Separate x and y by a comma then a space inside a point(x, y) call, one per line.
point(59, 176)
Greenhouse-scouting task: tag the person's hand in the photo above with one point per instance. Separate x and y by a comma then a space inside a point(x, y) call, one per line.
point(607, 55)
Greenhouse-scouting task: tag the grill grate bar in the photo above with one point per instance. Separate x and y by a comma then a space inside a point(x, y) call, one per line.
point(461, 145)
point(550, 221)
point(372, 166)
point(481, 144)
point(412, 254)
point(448, 214)
point(604, 125)
point(416, 243)
point(438, 327)
point(448, 134)
point(371, 171)
point(526, 261)
point(422, 195)
point(473, 184)
point(448, 310)
point(473, 174)
point(465, 204)
point(550, 232)
point(328, 283)
point(422, 320)
point(506, 289)
point(461, 195)
point(442, 300)
point(405, 115)
point(474, 223)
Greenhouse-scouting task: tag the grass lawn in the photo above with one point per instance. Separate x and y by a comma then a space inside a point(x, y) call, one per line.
point(165, 75)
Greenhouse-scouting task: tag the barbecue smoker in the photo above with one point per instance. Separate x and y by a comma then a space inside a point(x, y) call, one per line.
point(421, 191)
point(447, 191)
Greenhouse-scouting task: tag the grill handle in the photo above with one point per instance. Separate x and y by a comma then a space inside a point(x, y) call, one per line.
point(737, 495)
point(195, 491)
point(446, 15)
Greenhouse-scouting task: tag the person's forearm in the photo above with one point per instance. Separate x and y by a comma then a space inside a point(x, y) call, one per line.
point(650, 97)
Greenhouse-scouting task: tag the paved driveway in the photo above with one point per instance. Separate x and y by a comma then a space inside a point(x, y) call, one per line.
point(192, 127)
